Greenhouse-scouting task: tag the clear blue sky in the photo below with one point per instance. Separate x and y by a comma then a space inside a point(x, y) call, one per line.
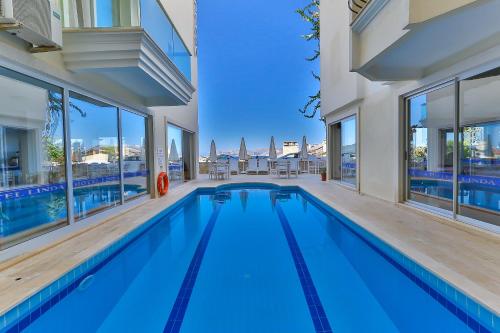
point(252, 74)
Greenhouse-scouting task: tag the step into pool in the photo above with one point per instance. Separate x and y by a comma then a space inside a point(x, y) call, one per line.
point(250, 258)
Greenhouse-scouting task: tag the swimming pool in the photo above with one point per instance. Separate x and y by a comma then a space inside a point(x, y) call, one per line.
point(250, 258)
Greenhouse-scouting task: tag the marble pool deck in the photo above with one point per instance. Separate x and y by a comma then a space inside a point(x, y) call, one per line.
point(463, 255)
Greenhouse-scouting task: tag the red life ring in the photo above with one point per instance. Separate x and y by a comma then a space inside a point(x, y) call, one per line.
point(162, 183)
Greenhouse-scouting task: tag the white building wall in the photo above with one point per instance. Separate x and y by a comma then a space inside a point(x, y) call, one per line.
point(378, 105)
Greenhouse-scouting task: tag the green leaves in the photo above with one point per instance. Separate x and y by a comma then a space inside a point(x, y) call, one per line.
point(310, 13)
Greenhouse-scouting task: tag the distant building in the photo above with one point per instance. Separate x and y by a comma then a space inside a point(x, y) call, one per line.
point(317, 149)
point(290, 147)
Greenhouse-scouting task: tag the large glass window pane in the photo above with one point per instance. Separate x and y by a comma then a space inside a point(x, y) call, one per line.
point(32, 159)
point(175, 162)
point(135, 162)
point(479, 148)
point(430, 151)
point(348, 150)
point(94, 155)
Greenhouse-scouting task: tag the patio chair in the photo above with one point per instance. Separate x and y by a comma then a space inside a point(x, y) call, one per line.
point(262, 167)
point(283, 168)
point(212, 170)
point(252, 168)
point(222, 170)
point(273, 167)
point(233, 166)
point(294, 167)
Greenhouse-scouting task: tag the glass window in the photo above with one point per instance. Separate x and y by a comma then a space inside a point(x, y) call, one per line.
point(94, 155)
point(135, 162)
point(430, 151)
point(479, 148)
point(175, 161)
point(348, 150)
point(344, 151)
point(32, 159)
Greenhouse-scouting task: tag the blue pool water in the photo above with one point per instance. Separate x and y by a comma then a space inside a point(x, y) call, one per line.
point(253, 259)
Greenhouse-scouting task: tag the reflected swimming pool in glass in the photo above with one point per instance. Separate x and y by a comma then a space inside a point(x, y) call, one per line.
point(250, 258)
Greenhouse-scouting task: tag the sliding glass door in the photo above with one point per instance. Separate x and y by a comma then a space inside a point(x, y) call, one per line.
point(180, 155)
point(348, 151)
point(135, 157)
point(343, 143)
point(479, 148)
point(33, 183)
point(453, 148)
point(430, 148)
point(94, 155)
point(175, 154)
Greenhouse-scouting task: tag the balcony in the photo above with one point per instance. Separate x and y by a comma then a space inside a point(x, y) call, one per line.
point(131, 43)
point(410, 39)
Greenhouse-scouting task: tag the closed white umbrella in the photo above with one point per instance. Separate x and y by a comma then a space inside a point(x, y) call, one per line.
point(243, 155)
point(303, 152)
point(304, 156)
point(272, 150)
point(173, 155)
point(213, 152)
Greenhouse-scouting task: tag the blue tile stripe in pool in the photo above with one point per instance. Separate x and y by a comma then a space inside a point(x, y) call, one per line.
point(445, 294)
point(178, 311)
point(318, 315)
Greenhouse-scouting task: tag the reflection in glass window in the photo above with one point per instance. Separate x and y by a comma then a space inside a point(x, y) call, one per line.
point(135, 163)
point(175, 161)
point(32, 159)
point(94, 155)
point(344, 151)
point(430, 151)
point(479, 148)
point(348, 151)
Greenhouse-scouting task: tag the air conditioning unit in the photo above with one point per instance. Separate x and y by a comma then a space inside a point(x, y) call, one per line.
point(35, 21)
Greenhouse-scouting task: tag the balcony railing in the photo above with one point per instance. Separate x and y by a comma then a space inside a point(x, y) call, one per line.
point(356, 8)
point(146, 14)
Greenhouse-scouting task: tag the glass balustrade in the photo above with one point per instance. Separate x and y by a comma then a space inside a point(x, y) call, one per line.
point(146, 14)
